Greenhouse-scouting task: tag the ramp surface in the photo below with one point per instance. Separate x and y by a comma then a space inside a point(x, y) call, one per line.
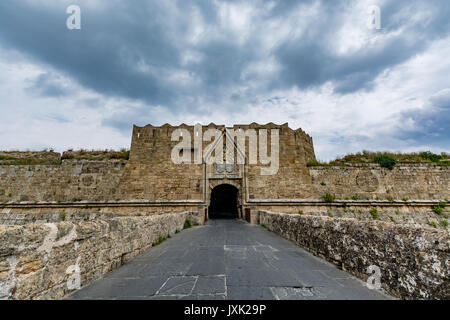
point(227, 259)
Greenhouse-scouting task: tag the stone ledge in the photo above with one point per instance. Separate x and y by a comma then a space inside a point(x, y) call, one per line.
point(345, 202)
point(102, 203)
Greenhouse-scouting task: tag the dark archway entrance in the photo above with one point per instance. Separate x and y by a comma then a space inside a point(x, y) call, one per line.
point(224, 202)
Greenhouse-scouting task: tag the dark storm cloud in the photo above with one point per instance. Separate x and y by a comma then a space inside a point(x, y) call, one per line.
point(130, 49)
point(431, 126)
point(310, 59)
point(104, 55)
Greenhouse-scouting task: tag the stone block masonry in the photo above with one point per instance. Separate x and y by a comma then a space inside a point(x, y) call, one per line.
point(150, 174)
point(51, 260)
point(414, 261)
point(370, 181)
point(70, 181)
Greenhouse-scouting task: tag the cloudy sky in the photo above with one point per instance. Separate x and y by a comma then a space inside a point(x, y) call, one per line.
point(314, 64)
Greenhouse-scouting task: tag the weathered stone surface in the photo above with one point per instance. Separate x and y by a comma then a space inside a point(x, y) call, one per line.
point(70, 181)
point(413, 181)
point(401, 213)
point(414, 261)
point(228, 259)
point(39, 261)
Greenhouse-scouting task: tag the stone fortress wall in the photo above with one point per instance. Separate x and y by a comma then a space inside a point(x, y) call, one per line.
point(369, 181)
point(150, 175)
point(71, 181)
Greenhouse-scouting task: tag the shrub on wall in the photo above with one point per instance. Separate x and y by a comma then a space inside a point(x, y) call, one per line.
point(374, 213)
point(431, 156)
point(329, 198)
point(437, 209)
point(187, 224)
point(314, 163)
point(386, 161)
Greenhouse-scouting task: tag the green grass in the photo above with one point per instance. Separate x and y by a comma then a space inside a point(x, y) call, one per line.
point(392, 219)
point(387, 158)
point(159, 241)
point(437, 209)
point(300, 211)
point(97, 155)
point(314, 163)
point(187, 224)
point(264, 226)
point(355, 197)
point(444, 223)
point(374, 213)
point(46, 157)
point(405, 199)
point(432, 223)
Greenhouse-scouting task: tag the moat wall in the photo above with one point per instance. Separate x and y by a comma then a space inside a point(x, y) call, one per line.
point(51, 260)
point(414, 261)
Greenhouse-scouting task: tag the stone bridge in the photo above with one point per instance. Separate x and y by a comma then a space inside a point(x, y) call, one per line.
point(157, 255)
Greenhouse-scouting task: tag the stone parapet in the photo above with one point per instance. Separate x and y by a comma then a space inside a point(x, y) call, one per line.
point(413, 261)
point(51, 260)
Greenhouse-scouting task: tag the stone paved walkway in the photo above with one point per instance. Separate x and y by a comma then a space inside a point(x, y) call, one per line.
point(227, 259)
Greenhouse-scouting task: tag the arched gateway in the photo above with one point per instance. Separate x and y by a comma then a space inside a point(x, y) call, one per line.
point(224, 202)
